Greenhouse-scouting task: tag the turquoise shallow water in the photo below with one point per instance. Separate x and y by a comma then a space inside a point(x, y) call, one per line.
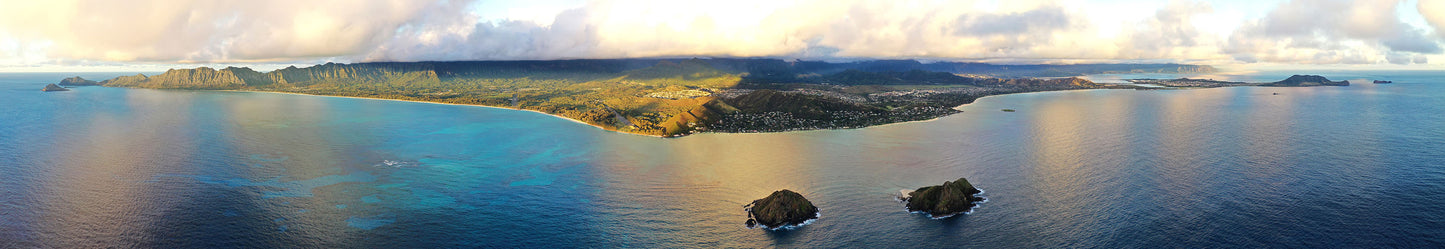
point(1357, 166)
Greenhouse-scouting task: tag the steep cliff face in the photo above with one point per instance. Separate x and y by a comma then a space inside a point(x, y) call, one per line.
point(345, 73)
point(243, 78)
point(247, 76)
point(199, 78)
point(203, 78)
point(126, 81)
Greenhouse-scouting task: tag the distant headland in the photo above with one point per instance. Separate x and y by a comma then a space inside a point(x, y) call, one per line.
point(53, 88)
point(1292, 81)
point(670, 97)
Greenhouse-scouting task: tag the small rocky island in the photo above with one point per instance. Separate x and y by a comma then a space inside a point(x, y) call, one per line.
point(78, 81)
point(53, 88)
point(783, 208)
point(945, 200)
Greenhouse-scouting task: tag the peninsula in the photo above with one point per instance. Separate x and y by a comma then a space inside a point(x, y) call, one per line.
point(53, 88)
point(670, 97)
point(1292, 81)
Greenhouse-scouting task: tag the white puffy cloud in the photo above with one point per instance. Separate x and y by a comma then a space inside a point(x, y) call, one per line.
point(1331, 32)
point(1171, 33)
point(160, 30)
point(1434, 13)
point(857, 28)
point(223, 31)
point(1302, 31)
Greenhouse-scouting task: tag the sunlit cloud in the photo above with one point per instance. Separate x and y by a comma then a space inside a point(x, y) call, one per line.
point(1434, 13)
point(80, 32)
point(1331, 32)
point(206, 31)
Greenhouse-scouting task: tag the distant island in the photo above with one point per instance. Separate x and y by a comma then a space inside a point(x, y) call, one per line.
point(78, 81)
point(671, 97)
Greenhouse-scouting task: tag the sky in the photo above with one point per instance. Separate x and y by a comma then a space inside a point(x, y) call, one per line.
point(151, 35)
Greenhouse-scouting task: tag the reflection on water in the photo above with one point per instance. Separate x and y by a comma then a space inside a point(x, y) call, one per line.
point(92, 189)
point(1237, 167)
point(1057, 143)
point(697, 184)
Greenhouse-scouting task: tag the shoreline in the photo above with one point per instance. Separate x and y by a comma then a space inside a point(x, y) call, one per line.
point(645, 135)
point(961, 111)
point(452, 104)
point(629, 133)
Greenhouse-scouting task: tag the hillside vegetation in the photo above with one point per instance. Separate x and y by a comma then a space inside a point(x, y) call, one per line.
point(647, 96)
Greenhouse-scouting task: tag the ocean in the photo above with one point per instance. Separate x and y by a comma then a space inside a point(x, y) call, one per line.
point(1242, 167)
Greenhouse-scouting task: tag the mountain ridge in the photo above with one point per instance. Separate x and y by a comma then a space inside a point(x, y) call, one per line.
point(664, 97)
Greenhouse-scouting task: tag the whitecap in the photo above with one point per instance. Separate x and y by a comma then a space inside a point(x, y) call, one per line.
point(396, 163)
point(976, 204)
point(790, 227)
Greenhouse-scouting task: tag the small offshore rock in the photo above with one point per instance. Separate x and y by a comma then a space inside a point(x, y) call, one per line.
point(951, 198)
point(782, 208)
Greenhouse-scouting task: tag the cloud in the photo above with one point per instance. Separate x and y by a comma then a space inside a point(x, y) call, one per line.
point(1412, 40)
point(1434, 13)
point(497, 40)
point(852, 28)
point(1330, 32)
point(1171, 33)
point(159, 30)
point(1406, 58)
point(1044, 19)
point(197, 31)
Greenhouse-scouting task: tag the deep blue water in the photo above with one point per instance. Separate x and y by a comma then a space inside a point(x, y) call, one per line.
point(1357, 166)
